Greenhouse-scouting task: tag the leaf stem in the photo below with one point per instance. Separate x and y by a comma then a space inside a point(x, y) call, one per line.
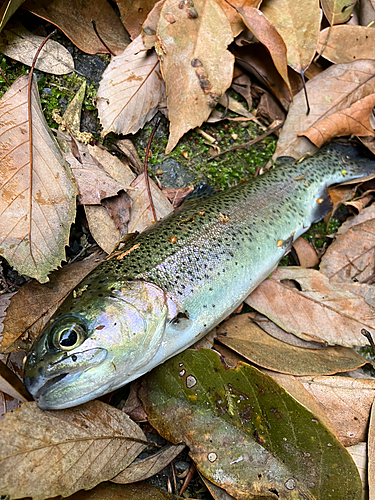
point(100, 38)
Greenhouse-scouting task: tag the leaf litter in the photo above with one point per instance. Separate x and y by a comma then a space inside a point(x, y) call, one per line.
point(341, 86)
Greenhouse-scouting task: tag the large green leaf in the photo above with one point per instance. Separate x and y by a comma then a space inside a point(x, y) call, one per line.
point(246, 433)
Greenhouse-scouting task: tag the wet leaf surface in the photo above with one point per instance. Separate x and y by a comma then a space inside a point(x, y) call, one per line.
point(38, 192)
point(38, 449)
point(319, 311)
point(239, 423)
point(195, 62)
point(244, 336)
point(69, 14)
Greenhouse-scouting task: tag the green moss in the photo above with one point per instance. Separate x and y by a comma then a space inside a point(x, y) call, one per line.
point(12, 71)
point(318, 232)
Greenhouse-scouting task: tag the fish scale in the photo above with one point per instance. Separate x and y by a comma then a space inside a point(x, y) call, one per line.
point(180, 278)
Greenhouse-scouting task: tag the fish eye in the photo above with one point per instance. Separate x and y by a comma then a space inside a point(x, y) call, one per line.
point(69, 337)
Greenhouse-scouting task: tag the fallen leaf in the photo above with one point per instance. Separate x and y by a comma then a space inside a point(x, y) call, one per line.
point(335, 89)
point(216, 492)
point(358, 452)
point(72, 115)
point(346, 402)
point(195, 63)
point(295, 388)
point(337, 11)
point(141, 215)
point(19, 44)
point(111, 491)
point(133, 14)
point(119, 208)
point(229, 9)
point(38, 191)
point(371, 454)
point(269, 109)
point(177, 195)
point(75, 22)
point(221, 412)
point(320, 311)
point(354, 120)
point(363, 289)
point(93, 182)
point(299, 26)
point(32, 306)
point(4, 304)
point(10, 384)
point(347, 43)
point(133, 406)
point(351, 256)
point(360, 203)
point(244, 336)
point(7, 404)
point(305, 252)
point(130, 90)
point(242, 85)
point(268, 35)
point(148, 467)
point(117, 169)
point(237, 107)
point(367, 12)
point(7, 9)
point(102, 227)
point(278, 333)
point(150, 25)
point(131, 154)
point(38, 449)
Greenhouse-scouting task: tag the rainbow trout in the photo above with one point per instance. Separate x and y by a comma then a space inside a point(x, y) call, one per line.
point(179, 279)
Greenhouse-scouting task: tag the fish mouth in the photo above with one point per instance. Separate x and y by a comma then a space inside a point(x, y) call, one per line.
point(44, 386)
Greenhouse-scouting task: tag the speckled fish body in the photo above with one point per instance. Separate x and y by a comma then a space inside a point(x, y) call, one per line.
point(178, 279)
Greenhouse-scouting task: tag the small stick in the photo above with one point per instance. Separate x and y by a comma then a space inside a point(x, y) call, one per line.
point(5, 78)
point(226, 108)
point(188, 478)
point(31, 134)
point(100, 38)
point(305, 91)
point(146, 174)
point(368, 336)
point(250, 143)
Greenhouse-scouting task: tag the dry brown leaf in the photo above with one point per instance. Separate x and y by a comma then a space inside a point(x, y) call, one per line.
point(102, 227)
point(358, 452)
point(195, 63)
point(320, 311)
point(305, 252)
point(150, 25)
point(298, 23)
point(244, 336)
point(133, 13)
point(268, 35)
point(72, 116)
point(216, 492)
point(10, 384)
point(75, 22)
point(337, 11)
point(352, 254)
point(335, 89)
point(7, 404)
point(347, 43)
point(237, 107)
point(141, 215)
point(371, 454)
point(33, 305)
point(278, 333)
point(295, 388)
point(135, 491)
point(4, 304)
point(367, 12)
point(130, 90)
point(113, 166)
point(39, 196)
point(269, 109)
point(92, 180)
point(177, 195)
point(229, 8)
point(118, 208)
point(49, 453)
point(360, 203)
point(242, 85)
point(18, 43)
point(127, 148)
point(7, 9)
point(354, 120)
point(346, 402)
point(148, 467)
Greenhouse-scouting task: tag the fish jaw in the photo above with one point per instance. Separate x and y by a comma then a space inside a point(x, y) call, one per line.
point(122, 336)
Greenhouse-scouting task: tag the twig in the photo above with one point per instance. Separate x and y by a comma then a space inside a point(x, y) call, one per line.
point(305, 91)
point(250, 143)
point(5, 78)
point(188, 478)
point(29, 117)
point(100, 38)
point(368, 336)
point(146, 173)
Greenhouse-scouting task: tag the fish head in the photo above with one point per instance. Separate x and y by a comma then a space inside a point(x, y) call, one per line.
point(96, 343)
